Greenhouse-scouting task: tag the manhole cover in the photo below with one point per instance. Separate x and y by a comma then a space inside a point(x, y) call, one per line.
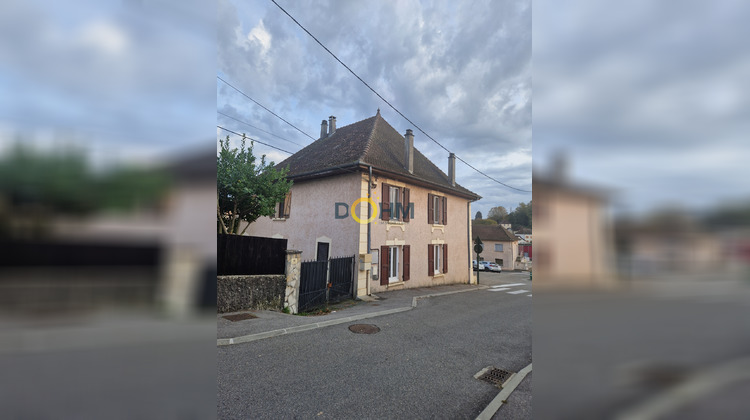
point(364, 329)
point(239, 317)
point(494, 376)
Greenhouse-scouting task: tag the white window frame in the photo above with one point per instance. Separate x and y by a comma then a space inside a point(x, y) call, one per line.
point(393, 264)
point(395, 197)
point(437, 258)
point(437, 208)
point(501, 247)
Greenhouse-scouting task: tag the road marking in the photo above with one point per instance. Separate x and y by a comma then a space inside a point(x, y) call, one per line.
point(508, 285)
point(499, 290)
point(515, 292)
point(529, 295)
point(509, 386)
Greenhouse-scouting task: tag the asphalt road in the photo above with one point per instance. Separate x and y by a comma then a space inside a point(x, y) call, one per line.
point(420, 365)
point(598, 355)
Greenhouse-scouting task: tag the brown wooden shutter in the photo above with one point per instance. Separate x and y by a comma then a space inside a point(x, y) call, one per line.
point(407, 252)
point(385, 203)
point(430, 261)
point(287, 205)
point(406, 204)
point(429, 209)
point(445, 258)
point(384, 267)
point(445, 210)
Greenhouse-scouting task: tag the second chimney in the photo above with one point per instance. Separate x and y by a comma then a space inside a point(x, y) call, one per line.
point(323, 129)
point(409, 151)
point(452, 168)
point(331, 125)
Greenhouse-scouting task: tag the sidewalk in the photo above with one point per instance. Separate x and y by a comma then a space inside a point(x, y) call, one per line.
point(271, 323)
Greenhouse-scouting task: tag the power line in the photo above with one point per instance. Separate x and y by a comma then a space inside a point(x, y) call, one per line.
point(386, 101)
point(258, 103)
point(259, 129)
point(253, 140)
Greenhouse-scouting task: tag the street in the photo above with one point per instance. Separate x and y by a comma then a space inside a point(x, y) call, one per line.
point(420, 365)
point(600, 355)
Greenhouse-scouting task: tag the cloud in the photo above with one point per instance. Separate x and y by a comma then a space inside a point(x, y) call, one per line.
point(460, 72)
point(645, 96)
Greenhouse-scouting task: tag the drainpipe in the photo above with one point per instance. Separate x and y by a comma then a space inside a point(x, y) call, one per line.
point(369, 226)
point(468, 230)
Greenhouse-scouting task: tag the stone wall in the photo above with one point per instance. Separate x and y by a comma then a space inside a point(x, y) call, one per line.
point(236, 293)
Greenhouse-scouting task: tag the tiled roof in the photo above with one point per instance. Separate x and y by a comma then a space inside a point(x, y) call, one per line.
point(492, 233)
point(371, 141)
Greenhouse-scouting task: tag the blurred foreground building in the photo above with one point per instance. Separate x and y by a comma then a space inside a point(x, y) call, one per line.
point(573, 241)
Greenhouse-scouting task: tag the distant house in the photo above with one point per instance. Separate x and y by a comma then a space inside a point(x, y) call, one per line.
point(500, 245)
point(573, 238)
point(671, 244)
point(364, 190)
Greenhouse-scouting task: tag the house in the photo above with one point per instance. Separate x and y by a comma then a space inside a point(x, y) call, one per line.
point(667, 243)
point(573, 236)
point(500, 245)
point(364, 190)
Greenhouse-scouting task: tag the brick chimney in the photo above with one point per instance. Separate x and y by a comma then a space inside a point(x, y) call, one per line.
point(409, 151)
point(331, 125)
point(452, 168)
point(323, 129)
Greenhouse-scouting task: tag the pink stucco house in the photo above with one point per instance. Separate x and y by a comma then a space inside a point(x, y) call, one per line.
point(500, 245)
point(419, 229)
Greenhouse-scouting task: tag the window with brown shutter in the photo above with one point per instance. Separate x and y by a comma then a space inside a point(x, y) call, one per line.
point(429, 209)
point(406, 204)
point(430, 260)
point(384, 265)
point(407, 256)
point(445, 210)
point(445, 258)
point(385, 205)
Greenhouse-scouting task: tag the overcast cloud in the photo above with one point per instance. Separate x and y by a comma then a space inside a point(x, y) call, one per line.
point(648, 97)
point(125, 79)
point(462, 72)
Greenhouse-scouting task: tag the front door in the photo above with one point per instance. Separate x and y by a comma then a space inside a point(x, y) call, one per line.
point(323, 251)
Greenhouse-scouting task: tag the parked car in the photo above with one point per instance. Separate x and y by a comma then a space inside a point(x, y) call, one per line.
point(474, 262)
point(491, 266)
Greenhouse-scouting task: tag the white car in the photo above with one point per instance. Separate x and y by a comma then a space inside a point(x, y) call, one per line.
point(491, 266)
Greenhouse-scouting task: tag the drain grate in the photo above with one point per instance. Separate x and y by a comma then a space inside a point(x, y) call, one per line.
point(239, 317)
point(364, 328)
point(494, 376)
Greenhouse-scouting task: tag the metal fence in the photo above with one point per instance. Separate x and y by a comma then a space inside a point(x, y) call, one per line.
point(322, 282)
point(250, 255)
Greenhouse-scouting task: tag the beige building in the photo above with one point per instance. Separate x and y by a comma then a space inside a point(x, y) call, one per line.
point(364, 190)
point(573, 241)
point(500, 245)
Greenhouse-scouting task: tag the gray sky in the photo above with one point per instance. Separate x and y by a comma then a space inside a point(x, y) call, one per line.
point(649, 98)
point(126, 79)
point(460, 71)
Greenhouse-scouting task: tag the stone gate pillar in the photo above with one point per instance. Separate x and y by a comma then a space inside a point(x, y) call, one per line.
point(293, 271)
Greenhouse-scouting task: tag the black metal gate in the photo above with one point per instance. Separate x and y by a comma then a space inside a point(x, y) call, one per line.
point(325, 281)
point(341, 278)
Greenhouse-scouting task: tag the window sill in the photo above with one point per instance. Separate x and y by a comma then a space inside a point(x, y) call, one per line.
point(394, 284)
point(438, 275)
point(395, 222)
point(278, 219)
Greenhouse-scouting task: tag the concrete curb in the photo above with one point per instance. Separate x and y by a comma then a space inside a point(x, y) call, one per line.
point(509, 386)
point(299, 328)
